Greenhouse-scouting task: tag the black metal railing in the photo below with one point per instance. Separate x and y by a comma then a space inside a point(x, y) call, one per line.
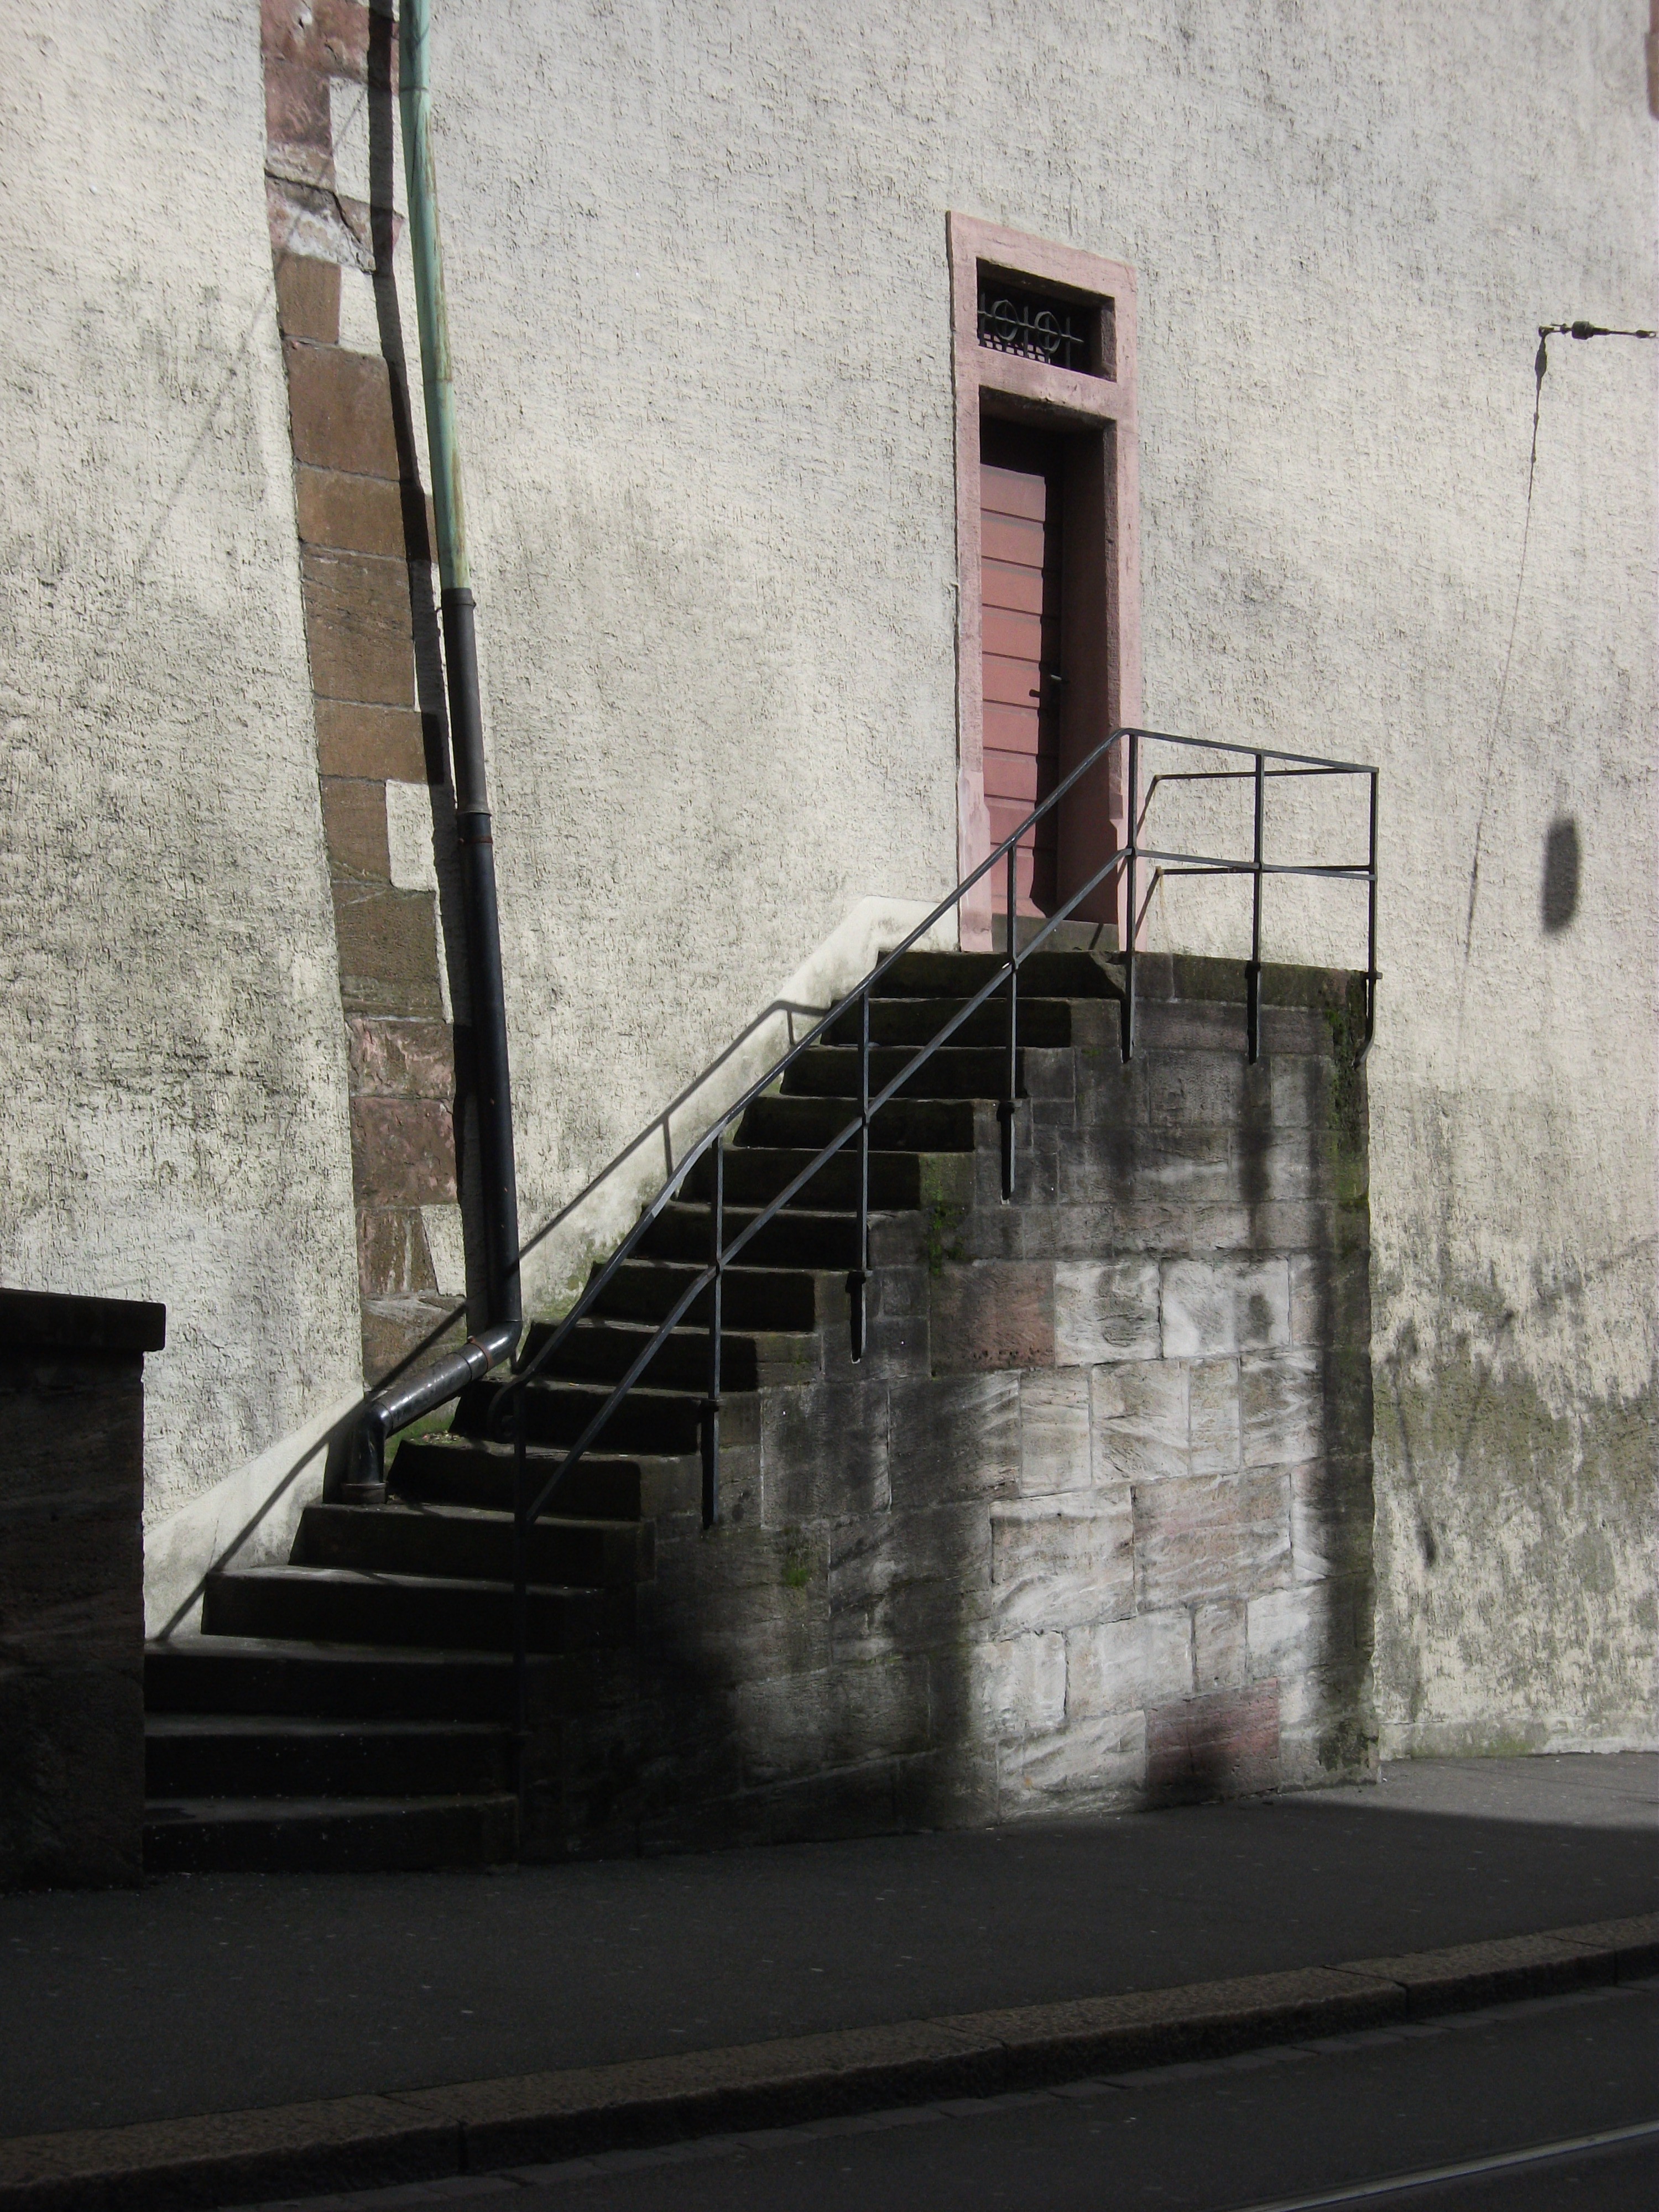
point(529, 1505)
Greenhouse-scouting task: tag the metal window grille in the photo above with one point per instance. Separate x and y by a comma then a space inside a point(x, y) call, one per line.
point(1034, 324)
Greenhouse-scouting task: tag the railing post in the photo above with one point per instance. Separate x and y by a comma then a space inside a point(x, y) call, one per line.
point(1129, 928)
point(521, 1615)
point(1252, 967)
point(711, 1406)
point(859, 1276)
point(1011, 1078)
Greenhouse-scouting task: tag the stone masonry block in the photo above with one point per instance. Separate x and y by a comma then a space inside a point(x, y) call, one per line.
point(1302, 1092)
point(361, 514)
point(1199, 1537)
point(308, 298)
point(997, 1315)
point(354, 828)
point(1218, 1308)
point(1188, 1165)
point(1018, 1685)
point(1215, 1425)
point(1331, 1518)
point(798, 1723)
point(824, 1452)
point(1058, 1564)
point(1055, 1455)
point(401, 1059)
point(1144, 1659)
point(1279, 1168)
point(743, 1604)
point(359, 627)
point(340, 409)
point(1306, 1405)
point(908, 1582)
point(955, 1437)
point(1221, 1656)
point(1105, 1309)
point(388, 947)
point(331, 37)
point(1310, 1626)
point(402, 1151)
point(354, 738)
point(1225, 1745)
point(1095, 1766)
point(392, 1253)
point(1330, 1298)
point(1208, 1090)
point(1139, 1410)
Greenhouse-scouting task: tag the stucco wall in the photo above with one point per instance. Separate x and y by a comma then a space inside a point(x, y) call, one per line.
point(169, 1016)
point(700, 313)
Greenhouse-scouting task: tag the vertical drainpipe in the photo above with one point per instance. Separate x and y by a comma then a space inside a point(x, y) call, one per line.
point(497, 1337)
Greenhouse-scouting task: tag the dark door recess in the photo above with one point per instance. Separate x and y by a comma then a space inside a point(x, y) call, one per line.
point(1021, 528)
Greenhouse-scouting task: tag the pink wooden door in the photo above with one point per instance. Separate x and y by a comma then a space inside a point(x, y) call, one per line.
point(1020, 587)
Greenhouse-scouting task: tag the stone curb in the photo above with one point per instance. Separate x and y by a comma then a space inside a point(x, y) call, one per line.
point(421, 2135)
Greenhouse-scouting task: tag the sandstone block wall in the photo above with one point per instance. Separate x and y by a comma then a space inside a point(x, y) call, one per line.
point(1091, 1526)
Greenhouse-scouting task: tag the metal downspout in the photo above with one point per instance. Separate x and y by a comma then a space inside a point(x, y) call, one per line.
point(497, 1339)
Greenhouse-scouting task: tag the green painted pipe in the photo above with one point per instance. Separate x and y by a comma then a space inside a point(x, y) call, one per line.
point(437, 375)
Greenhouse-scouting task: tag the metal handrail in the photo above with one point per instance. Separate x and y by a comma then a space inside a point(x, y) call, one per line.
point(527, 1508)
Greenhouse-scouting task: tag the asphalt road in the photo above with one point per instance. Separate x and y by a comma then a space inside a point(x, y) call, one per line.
point(217, 1992)
point(1302, 2126)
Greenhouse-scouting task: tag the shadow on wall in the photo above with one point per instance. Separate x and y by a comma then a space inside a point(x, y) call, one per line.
point(1559, 899)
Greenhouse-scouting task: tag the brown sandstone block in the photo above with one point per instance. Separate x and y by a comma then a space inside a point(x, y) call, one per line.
point(331, 37)
point(402, 1153)
point(401, 1059)
point(359, 739)
point(359, 627)
point(392, 1257)
point(340, 407)
point(308, 298)
point(360, 513)
point(402, 1327)
point(1225, 1745)
point(953, 1436)
point(388, 949)
point(996, 1315)
point(354, 828)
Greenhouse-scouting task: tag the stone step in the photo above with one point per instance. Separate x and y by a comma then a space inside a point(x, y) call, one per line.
point(903, 1125)
point(341, 1835)
point(243, 1755)
point(790, 1239)
point(603, 1351)
point(756, 1173)
point(664, 1423)
point(462, 1469)
point(958, 975)
point(832, 1071)
point(918, 1021)
point(275, 1675)
point(463, 1542)
point(338, 1605)
point(774, 1299)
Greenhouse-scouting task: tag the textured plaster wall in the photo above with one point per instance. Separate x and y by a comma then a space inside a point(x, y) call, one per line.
point(701, 311)
point(169, 1015)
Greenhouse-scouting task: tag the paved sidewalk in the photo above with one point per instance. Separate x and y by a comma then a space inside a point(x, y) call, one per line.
point(216, 1993)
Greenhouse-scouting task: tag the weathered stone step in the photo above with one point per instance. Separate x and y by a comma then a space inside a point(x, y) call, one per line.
point(603, 1351)
point(790, 1239)
point(200, 1755)
point(464, 1469)
point(832, 1071)
point(903, 1125)
point(276, 1676)
point(1042, 974)
point(918, 1021)
point(755, 1174)
point(341, 1606)
point(463, 1541)
point(771, 1298)
point(340, 1835)
point(661, 1422)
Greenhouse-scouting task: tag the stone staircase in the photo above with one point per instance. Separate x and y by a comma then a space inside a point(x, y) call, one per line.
point(349, 1709)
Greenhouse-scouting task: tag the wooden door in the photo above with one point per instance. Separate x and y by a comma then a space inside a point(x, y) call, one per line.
point(1020, 531)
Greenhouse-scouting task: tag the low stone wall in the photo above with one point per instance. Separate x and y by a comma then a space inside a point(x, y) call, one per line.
point(72, 1587)
point(1090, 1525)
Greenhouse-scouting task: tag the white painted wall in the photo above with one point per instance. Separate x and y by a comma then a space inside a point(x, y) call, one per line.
point(700, 306)
point(169, 1007)
point(701, 311)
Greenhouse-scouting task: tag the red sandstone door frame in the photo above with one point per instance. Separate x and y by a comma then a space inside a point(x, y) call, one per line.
point(1103, 615)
